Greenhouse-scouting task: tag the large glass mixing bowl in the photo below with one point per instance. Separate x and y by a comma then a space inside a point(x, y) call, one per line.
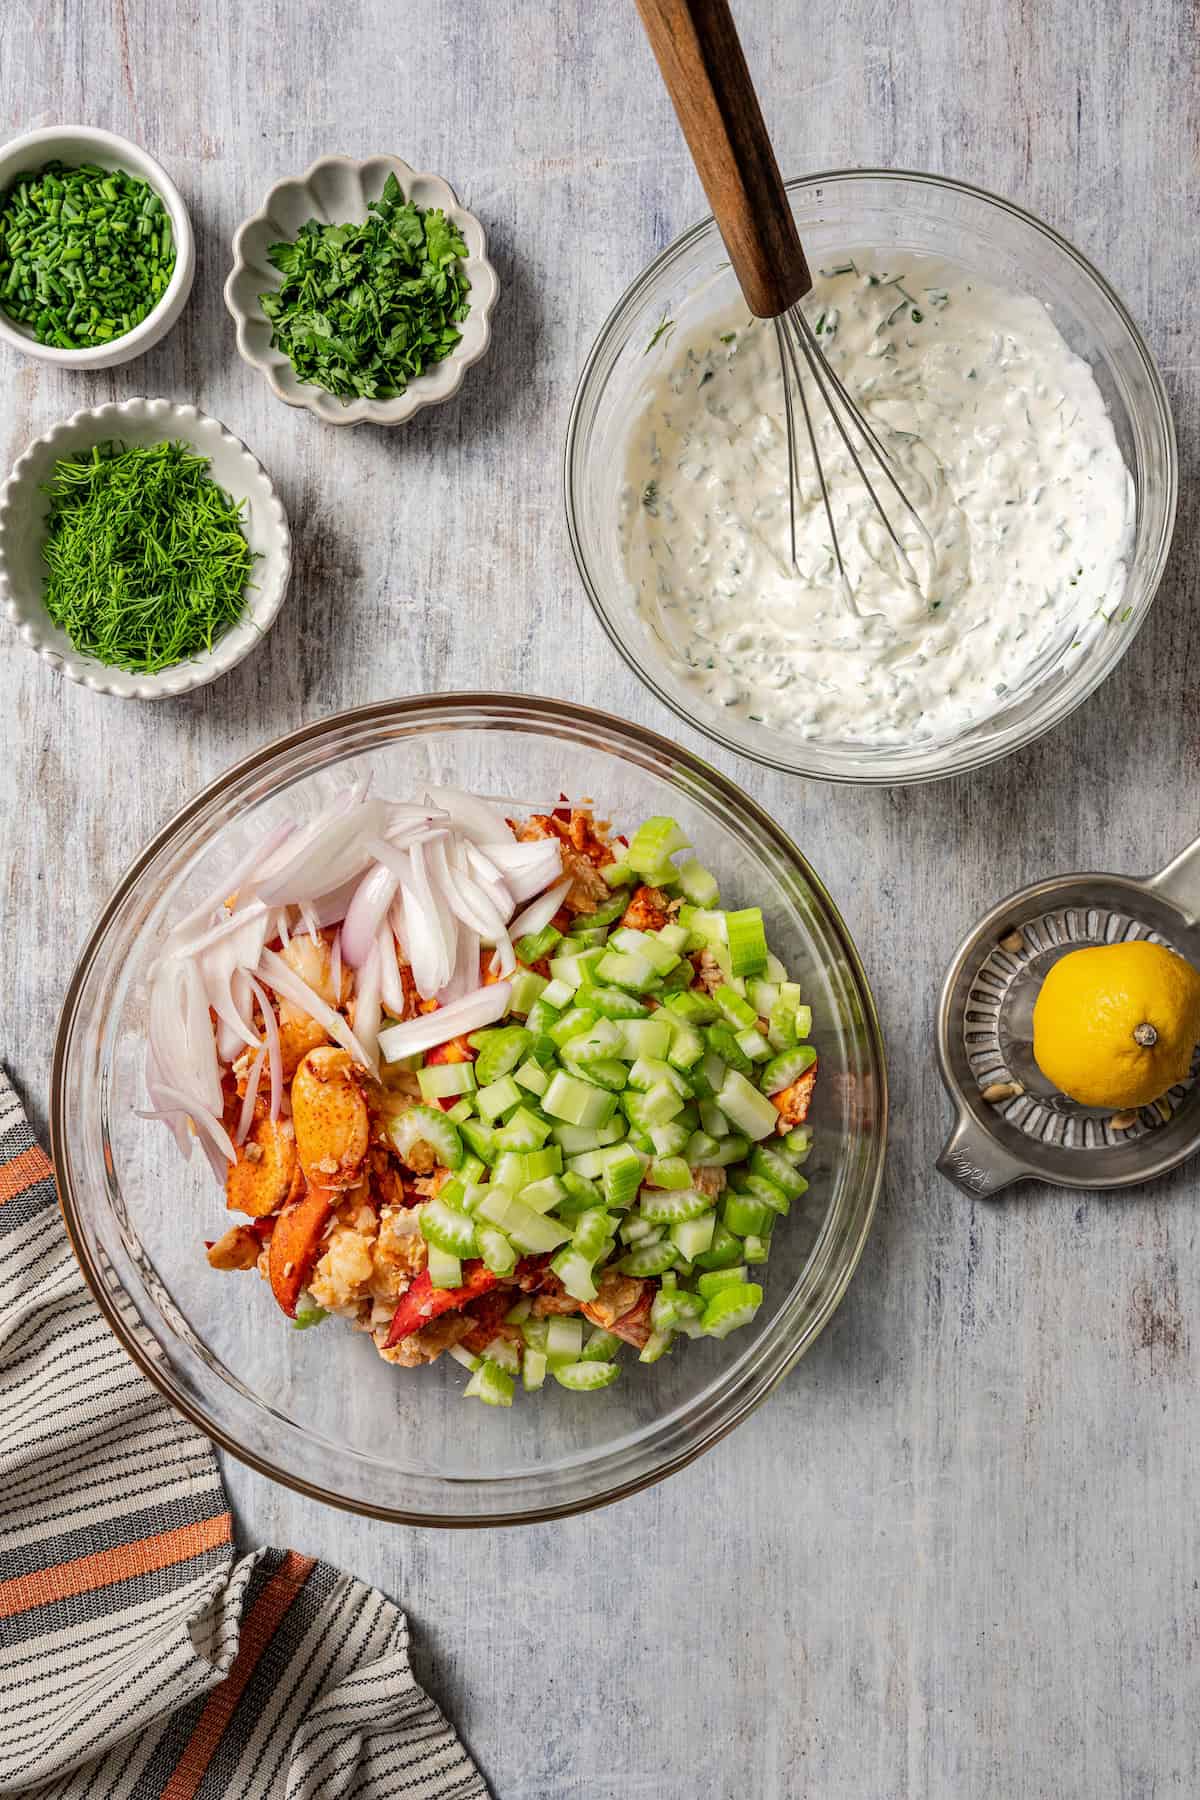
point(888, 211)
point(319, 1409)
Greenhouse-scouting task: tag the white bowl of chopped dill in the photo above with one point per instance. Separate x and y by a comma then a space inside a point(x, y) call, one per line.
point(362, 291)
point(143, 549)
point(96, 249)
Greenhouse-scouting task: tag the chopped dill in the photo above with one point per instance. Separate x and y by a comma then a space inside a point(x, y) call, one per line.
point(146, 557)
point(664, 325)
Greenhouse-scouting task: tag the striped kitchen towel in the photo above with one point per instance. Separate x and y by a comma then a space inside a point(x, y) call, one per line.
point(138, 1659)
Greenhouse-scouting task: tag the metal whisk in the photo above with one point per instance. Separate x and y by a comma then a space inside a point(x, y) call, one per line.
point(699, 54)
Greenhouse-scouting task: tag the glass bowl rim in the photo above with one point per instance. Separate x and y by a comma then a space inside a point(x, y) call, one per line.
point(512, 707)
point(1017, 737)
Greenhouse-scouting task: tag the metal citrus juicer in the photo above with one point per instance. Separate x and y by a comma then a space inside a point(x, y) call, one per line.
point(1012, 1124)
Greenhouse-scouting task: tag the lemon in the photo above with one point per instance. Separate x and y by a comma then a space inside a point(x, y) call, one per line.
point(1116, 1025)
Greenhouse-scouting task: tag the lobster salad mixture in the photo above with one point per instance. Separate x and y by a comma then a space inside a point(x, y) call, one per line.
point(516, 1089)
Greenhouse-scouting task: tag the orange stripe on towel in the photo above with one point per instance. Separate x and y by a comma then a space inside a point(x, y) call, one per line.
point(22, 1172)
point(104, 1567)
point(258, 1628)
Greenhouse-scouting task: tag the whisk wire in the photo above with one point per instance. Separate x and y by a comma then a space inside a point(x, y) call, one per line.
point(797, 340)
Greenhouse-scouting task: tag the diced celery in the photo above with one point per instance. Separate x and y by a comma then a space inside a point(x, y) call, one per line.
point(622, 1175)
point(523, 1130)
point(803, 1021)
point(575, 1272)
point(500, 1049)
point(740, 1014)
point(672, 1306)
point(747, 941)
point(729, 1150)
point(653, 843)
point(753, 1044)
point(656, 1345)
point(732, 1308)
point(495, 1385)
point(669, 1172)
point(537, 945)
point(723, 1253)
point(603, 1041)
point(535, 1332)
point(667, 1206)
point(797, 1143)
point(445, 1270)
point(721, 1039)
point(787, 1067)
point(659, 1105)
point(700, 1149)
point(593, 1230)
point(712, 1282)
point(781, 1026)
point(444, 1081)
point(564, 1341)
point(713, 1119)
point(744, 1215)
point(503, 1354)
point(533, 1370)
point(641, 1140)
point(672, 1138)
point(482, 1140)
point(544, 1195)
point(498, 1254)
point(687, 1045)
point(498, 1098)
point(580, 1192)
point(760, 1188)
point(643, 1037)
point(558, 995)
point(675, 937)
point(541, 1016)
point(756, 1249)
point(618, 874)
point(426, 1124)
point(527, 985)
point(620, 969)
point(470, 1169)
point(708, 928)
point(449, 1230)
point(532, 1077)
point(775, 970)
point(462, 1355)
point(574, 1022)
point(571, 969)
point(577, 1102)
point(636, 1230)
point(605, 1071)
point(602, 1346)
point(612, 1002)
point(527, 1229)
point(647, 945)
point(697, 1008)
point(777, 1168)
point(745, 1107)
point(698, 883)
point(647, 1072)
point(647, 1259)
point(586, 1377)
point(575, 1139)
point(462, 1109)
point(762, 995)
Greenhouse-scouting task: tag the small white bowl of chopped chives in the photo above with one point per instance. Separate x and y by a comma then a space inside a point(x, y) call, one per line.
point(143, 550)
point(362, 291)
point(96, 249)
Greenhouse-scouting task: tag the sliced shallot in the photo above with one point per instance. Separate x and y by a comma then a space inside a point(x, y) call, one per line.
point(540, 911)
point(274, 1048)
point(483, 1007)
point(475, 818)
point(251, 1095)
point(275, 972)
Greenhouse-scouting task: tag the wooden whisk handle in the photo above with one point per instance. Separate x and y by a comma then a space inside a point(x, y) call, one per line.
point(698, 51)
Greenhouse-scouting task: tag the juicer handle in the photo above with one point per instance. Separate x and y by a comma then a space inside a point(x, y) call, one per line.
point(700, 58)
point(1179, 882)
point(973, 1160)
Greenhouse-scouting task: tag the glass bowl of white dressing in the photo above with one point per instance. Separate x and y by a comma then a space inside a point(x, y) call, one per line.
point(1022, 414)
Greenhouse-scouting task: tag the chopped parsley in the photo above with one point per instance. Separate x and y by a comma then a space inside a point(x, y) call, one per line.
point(365, 309)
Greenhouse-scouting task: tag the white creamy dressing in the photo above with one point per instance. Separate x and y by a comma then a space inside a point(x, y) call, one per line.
point(998, 435)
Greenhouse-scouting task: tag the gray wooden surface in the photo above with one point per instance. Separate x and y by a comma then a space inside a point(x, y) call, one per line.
point(955, 1555)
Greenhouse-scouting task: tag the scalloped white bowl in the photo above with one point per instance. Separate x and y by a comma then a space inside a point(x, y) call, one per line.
point(337, 191)
point(23, 508)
